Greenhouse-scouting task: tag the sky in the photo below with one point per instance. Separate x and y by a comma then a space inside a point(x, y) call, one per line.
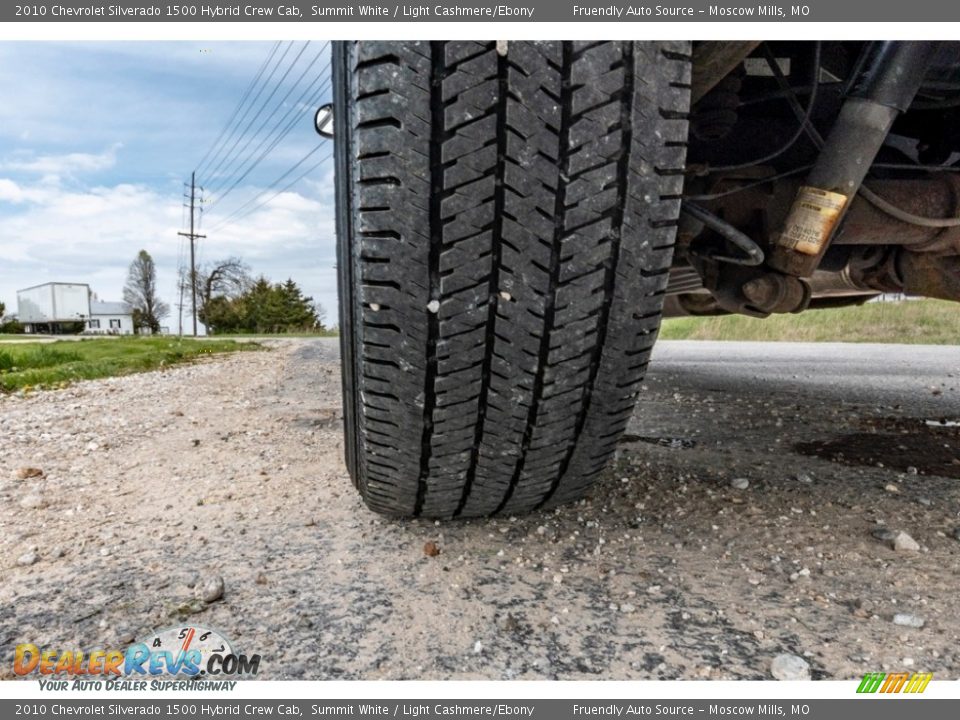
point(98, 139)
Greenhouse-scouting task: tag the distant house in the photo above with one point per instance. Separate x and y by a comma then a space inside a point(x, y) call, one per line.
point(110, 318)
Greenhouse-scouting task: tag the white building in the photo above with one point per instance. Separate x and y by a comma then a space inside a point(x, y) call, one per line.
point(46, 308)
point(110, 318)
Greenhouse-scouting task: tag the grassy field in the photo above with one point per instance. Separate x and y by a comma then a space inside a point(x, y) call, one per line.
point(52, 365)
point(928, 322)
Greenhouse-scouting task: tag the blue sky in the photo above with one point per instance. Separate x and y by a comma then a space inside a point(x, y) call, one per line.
point(97, 139)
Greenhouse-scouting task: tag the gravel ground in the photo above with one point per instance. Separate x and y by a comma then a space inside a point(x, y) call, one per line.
point(746, 518)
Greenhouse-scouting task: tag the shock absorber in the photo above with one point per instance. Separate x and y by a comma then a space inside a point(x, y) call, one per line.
point(883, 88)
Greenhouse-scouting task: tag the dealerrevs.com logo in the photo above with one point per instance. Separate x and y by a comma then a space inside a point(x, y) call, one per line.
point(184, 653)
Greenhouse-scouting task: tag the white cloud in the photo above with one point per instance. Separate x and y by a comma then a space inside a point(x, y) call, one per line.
point(57, 165)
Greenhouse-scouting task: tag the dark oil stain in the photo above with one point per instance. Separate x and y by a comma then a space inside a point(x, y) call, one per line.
point(896, 443)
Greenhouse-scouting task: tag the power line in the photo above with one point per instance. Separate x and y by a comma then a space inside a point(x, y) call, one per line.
point(246, 162)
point(241, 213)
point(220, 182)
point(236, 111)
point(293, 114)
point(276, 66)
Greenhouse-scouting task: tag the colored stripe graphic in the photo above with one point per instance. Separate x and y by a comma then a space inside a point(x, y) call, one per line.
point(871, 682)
point(894, 683)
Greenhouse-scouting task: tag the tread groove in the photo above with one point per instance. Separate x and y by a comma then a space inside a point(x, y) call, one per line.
point(610, 269)
point(433, 266)
point(490, 336)
point(559, 221)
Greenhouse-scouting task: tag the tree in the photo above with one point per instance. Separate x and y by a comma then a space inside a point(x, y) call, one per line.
point(3, 310)
point(140, 293)
point(229, 278)
point(263, 308)
point(296, 311)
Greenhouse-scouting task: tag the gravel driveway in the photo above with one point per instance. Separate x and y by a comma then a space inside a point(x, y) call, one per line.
point(754, 510)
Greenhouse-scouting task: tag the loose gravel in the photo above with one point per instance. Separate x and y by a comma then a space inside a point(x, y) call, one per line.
point(215, 494)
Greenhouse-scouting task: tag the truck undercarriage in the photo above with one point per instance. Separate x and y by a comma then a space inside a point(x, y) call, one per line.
point(818, 174)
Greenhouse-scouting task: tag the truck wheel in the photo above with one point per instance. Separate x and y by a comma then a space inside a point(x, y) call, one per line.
point(506, 217)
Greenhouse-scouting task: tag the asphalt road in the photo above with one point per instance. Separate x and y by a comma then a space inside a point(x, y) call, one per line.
point(750, 513)
point(848, 372)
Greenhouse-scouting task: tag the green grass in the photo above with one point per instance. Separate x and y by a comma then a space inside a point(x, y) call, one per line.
point(279, 336)
point(51, 365)
point(926, 322)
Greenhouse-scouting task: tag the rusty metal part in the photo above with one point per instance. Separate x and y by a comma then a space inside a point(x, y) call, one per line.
point(714, 60)
point(937, 196)
point(886, 86)
point(763, 209)
point(895, 270)
point(929, 275)
point(777, 293)
point(691, 304)
point(704, 305)
point(843, 283)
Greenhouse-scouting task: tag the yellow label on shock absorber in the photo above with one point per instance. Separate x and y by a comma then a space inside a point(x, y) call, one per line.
point(811, 220)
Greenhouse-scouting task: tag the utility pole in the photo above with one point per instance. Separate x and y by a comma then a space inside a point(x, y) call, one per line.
point(193, 238)
point(180, 280)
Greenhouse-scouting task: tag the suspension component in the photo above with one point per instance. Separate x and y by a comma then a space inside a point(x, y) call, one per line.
point(884, 88)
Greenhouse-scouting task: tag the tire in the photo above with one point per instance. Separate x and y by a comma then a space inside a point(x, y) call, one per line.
point(506, 224)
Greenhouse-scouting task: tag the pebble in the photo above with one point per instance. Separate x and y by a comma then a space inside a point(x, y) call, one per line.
point(628, 608)
point(912, 470)
point(904, 543)
point(956, 533)
point(25, 473)
point(891, 488)
point(477, 647)
point(212, 589)
point(505, 295)
point(805, 479)
point(433, 306)
point(896, 539)
point(740, 483)
point(790, 667)
point(908, 620)
point(28, 558)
